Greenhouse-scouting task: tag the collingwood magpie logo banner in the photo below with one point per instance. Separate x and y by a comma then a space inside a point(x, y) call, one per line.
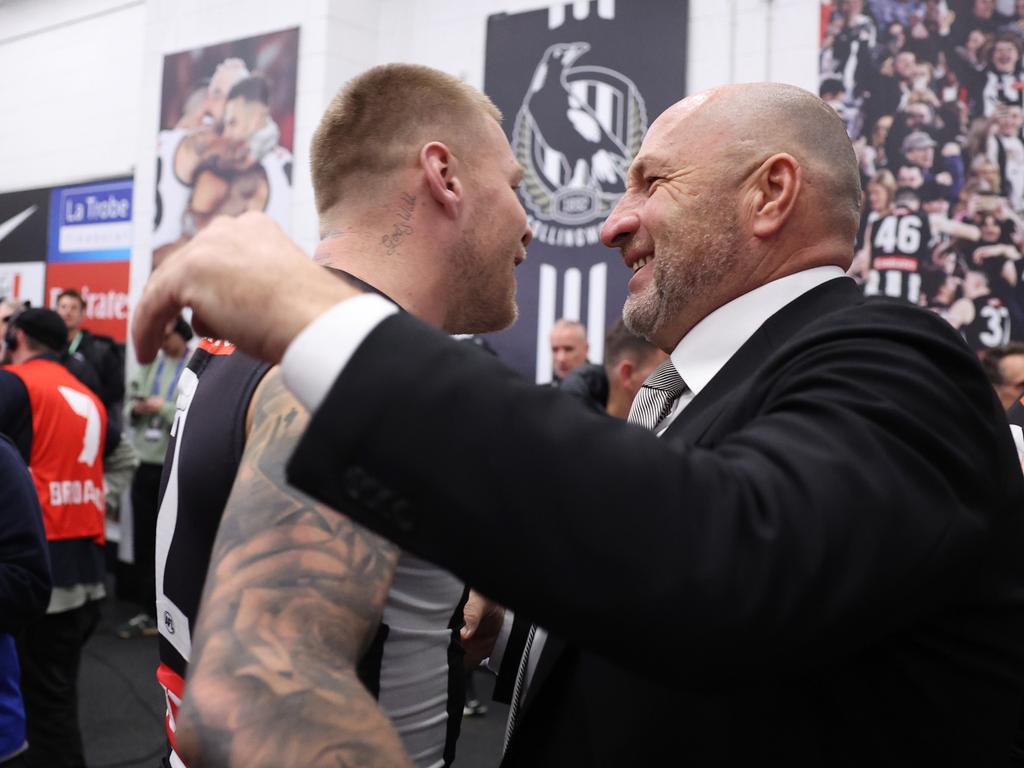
point(578, 84)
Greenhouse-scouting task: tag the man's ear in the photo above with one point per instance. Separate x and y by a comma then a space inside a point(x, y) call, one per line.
point(624, 371)
point(776, 187)
point(440, 172)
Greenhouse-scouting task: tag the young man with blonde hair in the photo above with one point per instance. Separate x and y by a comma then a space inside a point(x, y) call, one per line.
point(414, 186)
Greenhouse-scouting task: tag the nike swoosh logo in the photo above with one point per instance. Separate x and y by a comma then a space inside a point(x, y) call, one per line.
point(15, 221)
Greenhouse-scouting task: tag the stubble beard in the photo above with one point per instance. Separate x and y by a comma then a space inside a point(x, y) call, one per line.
point(475, 305)
point(684, 276)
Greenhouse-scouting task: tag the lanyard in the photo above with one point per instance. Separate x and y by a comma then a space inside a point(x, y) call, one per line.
point(173, 382)
point(74, 343)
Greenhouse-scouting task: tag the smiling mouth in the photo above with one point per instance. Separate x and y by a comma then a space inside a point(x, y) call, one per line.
point(642, 262)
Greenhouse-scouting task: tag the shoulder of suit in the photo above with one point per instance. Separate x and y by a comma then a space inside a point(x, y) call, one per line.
point(893, 317)
point(902, 313)
point(12, 389)
point(98, 343)
point(97, 338)
point(863, 330)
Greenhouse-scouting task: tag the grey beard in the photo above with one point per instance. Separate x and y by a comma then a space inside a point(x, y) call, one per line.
point(640, 313)
point(676, 285)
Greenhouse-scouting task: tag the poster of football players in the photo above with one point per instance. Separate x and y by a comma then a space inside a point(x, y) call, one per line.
point(932, 95)
point(227, 121)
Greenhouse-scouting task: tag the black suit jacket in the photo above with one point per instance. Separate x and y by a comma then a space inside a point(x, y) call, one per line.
point(818, 564)
point(107, 360)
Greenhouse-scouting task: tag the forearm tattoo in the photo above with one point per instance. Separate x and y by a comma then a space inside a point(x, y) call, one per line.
point(293, 596)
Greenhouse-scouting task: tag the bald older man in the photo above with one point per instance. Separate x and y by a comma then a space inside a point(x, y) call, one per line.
point(818, 562)
point(569, 347)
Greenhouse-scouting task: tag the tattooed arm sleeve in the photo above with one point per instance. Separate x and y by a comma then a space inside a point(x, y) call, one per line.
point(293, 597)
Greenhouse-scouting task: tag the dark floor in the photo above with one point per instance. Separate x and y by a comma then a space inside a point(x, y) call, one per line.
point(122, 705)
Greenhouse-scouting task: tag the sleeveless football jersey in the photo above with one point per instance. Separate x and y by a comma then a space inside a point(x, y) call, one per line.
point(991, 324)
point(414, 665)
point(899, 246)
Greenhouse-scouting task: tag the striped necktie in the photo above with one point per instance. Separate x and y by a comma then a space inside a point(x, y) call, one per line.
point(518, 691)
point(654, 400)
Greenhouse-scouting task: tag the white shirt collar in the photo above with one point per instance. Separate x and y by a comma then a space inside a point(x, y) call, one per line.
point(702, 353)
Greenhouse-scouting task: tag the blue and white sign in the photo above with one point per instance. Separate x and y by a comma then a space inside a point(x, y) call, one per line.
point(91, 222)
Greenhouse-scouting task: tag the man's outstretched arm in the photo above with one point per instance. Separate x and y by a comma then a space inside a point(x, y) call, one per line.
point(293, 596)
point(231, 274)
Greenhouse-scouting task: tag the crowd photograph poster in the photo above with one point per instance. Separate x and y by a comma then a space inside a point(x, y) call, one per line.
point(227, 124)
point(577, 103)
point(932, 95)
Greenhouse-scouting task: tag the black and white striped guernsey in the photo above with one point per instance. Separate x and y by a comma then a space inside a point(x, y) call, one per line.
point(414, 665)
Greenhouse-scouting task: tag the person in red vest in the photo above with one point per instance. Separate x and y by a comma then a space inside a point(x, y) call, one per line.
point(60, 428)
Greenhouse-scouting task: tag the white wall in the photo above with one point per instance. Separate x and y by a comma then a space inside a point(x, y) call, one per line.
point(81, 78)
point(730, 40)
point(743, 41)
point(70, 84)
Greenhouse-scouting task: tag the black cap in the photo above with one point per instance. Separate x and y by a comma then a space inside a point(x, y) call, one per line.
point(182, 328)
point(44, 326)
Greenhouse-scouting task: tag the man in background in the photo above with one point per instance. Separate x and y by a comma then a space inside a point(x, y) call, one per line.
point(611, 387)
point(1004, 367)
point(569, 347)
point(59, 426)
point(101, 352)
point(628, 361)
point(24, 590)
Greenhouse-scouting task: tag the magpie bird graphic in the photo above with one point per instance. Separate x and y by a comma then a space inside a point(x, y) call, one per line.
point(569, 126)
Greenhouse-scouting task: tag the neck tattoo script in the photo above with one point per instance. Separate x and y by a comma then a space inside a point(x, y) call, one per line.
point(402, 227)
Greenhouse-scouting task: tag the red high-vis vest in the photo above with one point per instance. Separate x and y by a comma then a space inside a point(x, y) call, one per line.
point(69, 425)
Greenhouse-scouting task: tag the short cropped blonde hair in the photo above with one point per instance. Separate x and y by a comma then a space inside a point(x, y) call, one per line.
point(379, 120)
